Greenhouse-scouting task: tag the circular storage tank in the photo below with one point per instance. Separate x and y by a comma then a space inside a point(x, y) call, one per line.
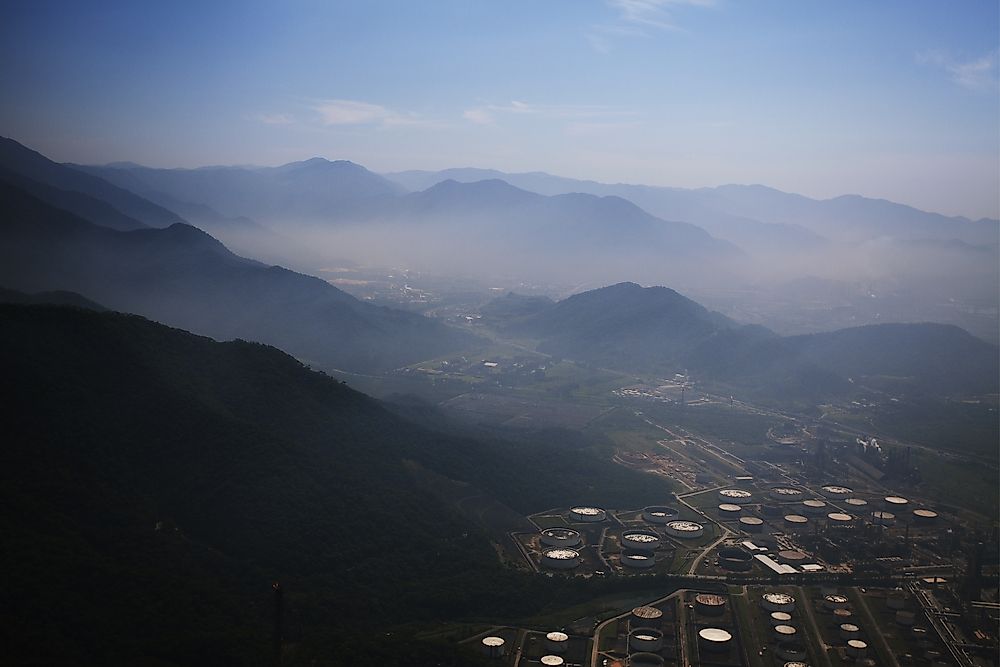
point(640, 540)
point(836, 492)
point(795, 522)
point(777, 602)
point(842, 615)
point(835, 601)
point(587, 514)
point(660, 514)
point(730, 511)
point(839, 519)
point(795, 664)
point(751, 524)
point(710, 604)
point(560, 537)
point(645, 639)
point(493, 646)
point(780, 618)
point(814, 507)
point(856, 502)
point(639, 560)
point(735, 559)
point(645, 660)
point(857, 648)
point(552, 661)
point(561, 559)
point(735, 496)
point(923, 515)
point(785, 494)
point(646, 616)
point(685, 530)
point(784, 633)
point(792, 557)
point(883, 518)
point(895, 502)
point(791, 651)
point(849, 631)
point(556, 642)
point(715, 640)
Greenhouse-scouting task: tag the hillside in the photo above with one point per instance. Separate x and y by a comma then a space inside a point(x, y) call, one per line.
point(655, 329)
point(31, 167)
point(185, 278)
point(157, 482)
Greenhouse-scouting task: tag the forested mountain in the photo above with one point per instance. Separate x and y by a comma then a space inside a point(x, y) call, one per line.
point(185, 278)
point(24, 168)
point(641, 329)
point(156, 483)
point(308, 191)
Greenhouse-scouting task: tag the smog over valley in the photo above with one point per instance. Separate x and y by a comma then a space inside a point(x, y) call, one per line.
point(596, 333)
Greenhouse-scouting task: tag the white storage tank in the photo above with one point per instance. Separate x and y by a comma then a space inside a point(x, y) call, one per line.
point(751, 524)
point(780, 618)
point(556, 642)
point(895, 503)
point(587, 514)
point(784, 633)
point(924, 515)
point(710, 604)
point(856, 503)
point(777, 602)
point(685, 530)
point(639, 560)
point(835, 601)
point(729, 511)
point(785, 494)
point(640, 540)
point(552, 661)
point(839, 520)
point(814, 507)
point(849, 631)
point(857, 648)
point(493, 646)
point(880, 518)
point(646, 616)
point(836, 491)
point(560, 537)
point(796, 523)
point(735, 496)
point(561, 559)
point(842, 615)
point(645, 639)
point(715, 640)
point(660, 514)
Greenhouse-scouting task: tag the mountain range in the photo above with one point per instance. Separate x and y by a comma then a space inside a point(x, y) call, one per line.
point(183, 277)
point(632, 328)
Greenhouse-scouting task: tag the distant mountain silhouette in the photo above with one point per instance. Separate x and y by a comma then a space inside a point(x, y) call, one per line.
point(632, 328)
point(315, 190)
point(33, 168)
point(58, 298)
point(184, 277)
point(750, 216)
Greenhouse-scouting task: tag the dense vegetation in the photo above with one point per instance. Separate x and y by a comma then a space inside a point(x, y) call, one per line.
point(157, 482)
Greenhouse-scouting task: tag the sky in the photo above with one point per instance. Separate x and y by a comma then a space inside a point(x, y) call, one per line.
point(893, 99)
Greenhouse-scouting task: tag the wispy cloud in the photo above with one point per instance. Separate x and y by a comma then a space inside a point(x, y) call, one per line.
point(653, 13)
point(354, 112)
point(488, 114)
point(977, 74)
point(636, 18)
point(275, 118)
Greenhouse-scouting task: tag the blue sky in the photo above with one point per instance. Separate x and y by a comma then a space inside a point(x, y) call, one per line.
point(887, 99)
